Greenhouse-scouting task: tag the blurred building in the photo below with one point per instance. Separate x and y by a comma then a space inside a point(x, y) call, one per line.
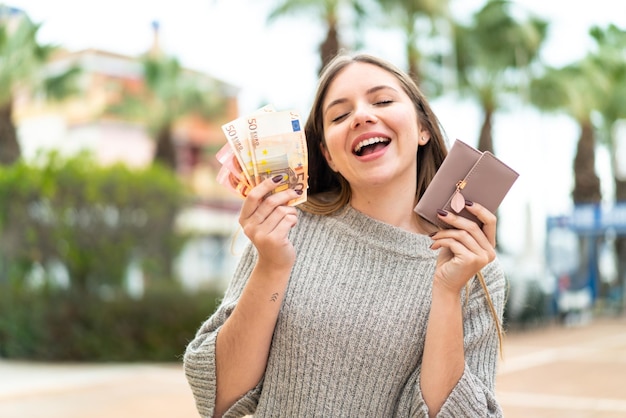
point(83, 123)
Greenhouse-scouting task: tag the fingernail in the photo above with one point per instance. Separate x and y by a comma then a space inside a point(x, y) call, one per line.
point(442, 212)
point(432, 234)
point(298, 192)
point(277, 178)
point(468, 203)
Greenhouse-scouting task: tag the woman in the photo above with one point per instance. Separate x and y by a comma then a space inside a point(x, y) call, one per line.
point(351, 305)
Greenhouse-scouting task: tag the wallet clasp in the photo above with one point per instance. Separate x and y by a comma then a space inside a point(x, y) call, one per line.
point(457, 202)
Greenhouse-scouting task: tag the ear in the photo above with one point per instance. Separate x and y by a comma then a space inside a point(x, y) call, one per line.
point(424, 137)
point(326, 154)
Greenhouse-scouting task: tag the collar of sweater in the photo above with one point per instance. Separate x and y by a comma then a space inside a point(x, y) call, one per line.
point(361, 227)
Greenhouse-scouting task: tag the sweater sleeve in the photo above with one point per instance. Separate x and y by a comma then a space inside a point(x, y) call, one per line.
point(474, 394)
point(199, 358)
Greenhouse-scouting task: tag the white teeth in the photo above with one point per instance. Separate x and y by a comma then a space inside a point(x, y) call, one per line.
point(369, 141)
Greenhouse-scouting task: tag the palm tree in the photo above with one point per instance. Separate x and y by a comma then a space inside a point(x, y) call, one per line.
point(326, 11)
point(22, 70)
point(610, 58)
point(574, 89)
point(170, 92)
point(492, 55)
point(577, 89)
point(416, 19)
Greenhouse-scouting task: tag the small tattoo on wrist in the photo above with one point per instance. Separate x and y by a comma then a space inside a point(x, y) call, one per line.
point(274, 297)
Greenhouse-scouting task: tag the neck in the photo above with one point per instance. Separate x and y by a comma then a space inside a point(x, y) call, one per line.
point(390, 205)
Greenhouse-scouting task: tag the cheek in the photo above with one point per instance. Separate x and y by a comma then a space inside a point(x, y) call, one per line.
point(409, 128)
point(328, 155)
point(325, 153)
point(332, 152)
point(332, 142)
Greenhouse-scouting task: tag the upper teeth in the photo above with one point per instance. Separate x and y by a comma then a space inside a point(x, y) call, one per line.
point(369, 141)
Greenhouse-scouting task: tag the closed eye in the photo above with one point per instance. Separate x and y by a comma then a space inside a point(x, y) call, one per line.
point(383, 102)
point(339, 118)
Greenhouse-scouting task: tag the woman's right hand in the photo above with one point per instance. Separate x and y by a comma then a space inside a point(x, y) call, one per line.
point(266, 220)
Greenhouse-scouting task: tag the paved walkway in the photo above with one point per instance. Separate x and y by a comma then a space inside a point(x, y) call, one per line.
point(555, 372)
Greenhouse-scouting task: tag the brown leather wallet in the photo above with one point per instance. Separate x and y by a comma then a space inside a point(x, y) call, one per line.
point(466, 174)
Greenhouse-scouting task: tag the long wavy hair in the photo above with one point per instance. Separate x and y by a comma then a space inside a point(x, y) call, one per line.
point(328, 190)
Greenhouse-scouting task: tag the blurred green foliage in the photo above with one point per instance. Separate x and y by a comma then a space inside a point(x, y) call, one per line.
point(92, 219)
point(66, 326)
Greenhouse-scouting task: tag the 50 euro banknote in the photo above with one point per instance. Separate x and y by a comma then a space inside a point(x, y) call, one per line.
point(265, 144)
point(236, 133)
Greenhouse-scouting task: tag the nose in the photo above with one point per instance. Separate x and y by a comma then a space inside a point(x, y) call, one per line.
point(363, 114)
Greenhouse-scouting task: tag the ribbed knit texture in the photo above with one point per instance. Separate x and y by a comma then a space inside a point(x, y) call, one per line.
point(349, 338)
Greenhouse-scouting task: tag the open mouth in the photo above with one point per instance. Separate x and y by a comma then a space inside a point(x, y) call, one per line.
point(370, 145)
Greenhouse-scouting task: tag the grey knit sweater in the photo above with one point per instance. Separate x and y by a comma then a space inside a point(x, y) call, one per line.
point(350, 334)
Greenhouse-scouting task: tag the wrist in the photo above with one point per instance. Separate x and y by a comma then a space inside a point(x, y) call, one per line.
point(443, 289)
point(270, 268)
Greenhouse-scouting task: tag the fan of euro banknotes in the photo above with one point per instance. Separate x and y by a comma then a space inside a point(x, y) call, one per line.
point(266, 143)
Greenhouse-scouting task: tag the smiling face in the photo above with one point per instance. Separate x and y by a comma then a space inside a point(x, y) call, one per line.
point(371, 131)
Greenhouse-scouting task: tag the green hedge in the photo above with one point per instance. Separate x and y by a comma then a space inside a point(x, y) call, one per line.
point(92, 219)
point(67, 326)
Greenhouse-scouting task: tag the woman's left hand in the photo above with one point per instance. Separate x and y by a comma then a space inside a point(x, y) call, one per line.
point(465, 248)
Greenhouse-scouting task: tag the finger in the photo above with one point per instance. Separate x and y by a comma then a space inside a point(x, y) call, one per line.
point(279, 233)
point(277, 223)
point(258, 194)
point(465, 238)
point(488, 219)
point(465, 243)
point(271, 203)
point(471, 255)
point(485, 235)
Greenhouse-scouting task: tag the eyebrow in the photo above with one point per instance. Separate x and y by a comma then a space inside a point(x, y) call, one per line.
point(368, 92)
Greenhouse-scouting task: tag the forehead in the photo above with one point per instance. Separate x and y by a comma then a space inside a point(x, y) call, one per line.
point(359, 77)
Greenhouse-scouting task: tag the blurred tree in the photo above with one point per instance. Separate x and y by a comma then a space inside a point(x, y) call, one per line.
point(326, 11)
point(91, 219)
point(493, 55)
point(575, 89)
point(416, 18)
point(22, 69)
point(610, 57)
point(170, 92)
